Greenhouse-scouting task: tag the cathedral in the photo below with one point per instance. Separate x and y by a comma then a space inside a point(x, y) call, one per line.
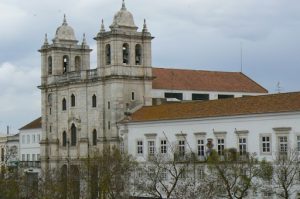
point(81, 107)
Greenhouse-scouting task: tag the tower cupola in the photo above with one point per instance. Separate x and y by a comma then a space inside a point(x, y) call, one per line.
point(65, 33)
point(123, 19)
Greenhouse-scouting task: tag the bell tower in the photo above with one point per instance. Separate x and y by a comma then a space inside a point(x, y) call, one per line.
point(124, 62)
point(64, 63)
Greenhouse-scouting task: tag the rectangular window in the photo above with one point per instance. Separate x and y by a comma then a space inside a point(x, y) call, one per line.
point(108, 124)
point(108, 105)
point(23, 139)
point(266, 144)
point(38, 138)
point(221, 146)
point(28, 157)
point(164, 175)
point(225, 96)
point(33, 138)
point(140, 147)
point(174, 95)
point(151, 148)
point(33, 157)
point(23, 157)
point(181, 147)
point(242, 146)
point(28, 139)
point(201, 172)
point(283, 144)
point(163, 146)
point(196, 96)
point(298, 143)
point(38, 157)
point(132, 96)
point(201, 147)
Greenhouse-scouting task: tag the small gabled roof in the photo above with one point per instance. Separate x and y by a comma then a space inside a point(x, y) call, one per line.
point(200, 80)
point(274, 103)
point(35, 124)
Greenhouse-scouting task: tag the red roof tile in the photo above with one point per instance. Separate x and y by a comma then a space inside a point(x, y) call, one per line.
point(199, 80)
point(286, 102)
point(35, 124)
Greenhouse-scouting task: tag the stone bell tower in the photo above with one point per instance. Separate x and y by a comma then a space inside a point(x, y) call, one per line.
point(62, 63)
point(124, 62)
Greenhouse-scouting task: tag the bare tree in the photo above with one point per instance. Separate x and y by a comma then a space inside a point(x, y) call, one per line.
point(107, 174)
point(286, 168)
point(232, 175)
point(166, 175)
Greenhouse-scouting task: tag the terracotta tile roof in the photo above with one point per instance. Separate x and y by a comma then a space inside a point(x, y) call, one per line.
point(286, 102)
point(35, 124)
point(180, 79)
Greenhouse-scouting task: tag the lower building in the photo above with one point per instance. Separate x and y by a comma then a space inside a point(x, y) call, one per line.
point(29, 142)
point(267, 126)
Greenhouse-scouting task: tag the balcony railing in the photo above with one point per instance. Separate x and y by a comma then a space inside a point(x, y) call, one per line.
point(32, 164)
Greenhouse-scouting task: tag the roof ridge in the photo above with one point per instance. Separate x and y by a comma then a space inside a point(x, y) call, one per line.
point(195, 70)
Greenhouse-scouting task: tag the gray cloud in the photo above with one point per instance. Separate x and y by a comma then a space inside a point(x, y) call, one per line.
point(197, 34)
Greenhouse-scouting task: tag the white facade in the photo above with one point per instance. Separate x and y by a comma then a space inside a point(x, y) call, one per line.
point(257, 134)
point(29, 154)
point(251, 127)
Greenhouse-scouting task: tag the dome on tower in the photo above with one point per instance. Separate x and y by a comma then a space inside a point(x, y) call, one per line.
point(123, 18)
point(65, 32)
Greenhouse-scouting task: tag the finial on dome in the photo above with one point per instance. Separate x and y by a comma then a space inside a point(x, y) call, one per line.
point(84, 39)
point(65, 20)
point(123, 5)
point(102, 26)
point(46, 40)
point(145, 29)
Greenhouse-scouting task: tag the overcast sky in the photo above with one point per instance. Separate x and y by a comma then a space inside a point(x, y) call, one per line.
point(194, 34)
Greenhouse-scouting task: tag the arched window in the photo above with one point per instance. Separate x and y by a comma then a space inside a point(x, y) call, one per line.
point(77, 63)
point(94, 137)
point(108, 54)
point(49, 65)
point(73, 135)
point(72, 100)
point(64, 138)
point(125, 53)
point(64, 104)
point(138, 54)
point(94, 101)
point(65, 64)
point(50, 99)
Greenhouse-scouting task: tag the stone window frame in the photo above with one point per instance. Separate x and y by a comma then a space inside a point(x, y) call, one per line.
point(282, 132)
point(140, 147)
point(200, 136)
point(261, 143)
point(94, 100)
point(220, 135)
point(297, 144)
point(163, 148)
point(72, 100)
point(242, 134)
point(151, 150)
point(181, 137)
point(64, 103)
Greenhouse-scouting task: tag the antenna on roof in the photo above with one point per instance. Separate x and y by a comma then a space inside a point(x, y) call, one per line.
point(241, 46)
point(278, 87)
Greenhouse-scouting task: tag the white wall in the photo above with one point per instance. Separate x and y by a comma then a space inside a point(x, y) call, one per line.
point(31, 147)
point(256, 125)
